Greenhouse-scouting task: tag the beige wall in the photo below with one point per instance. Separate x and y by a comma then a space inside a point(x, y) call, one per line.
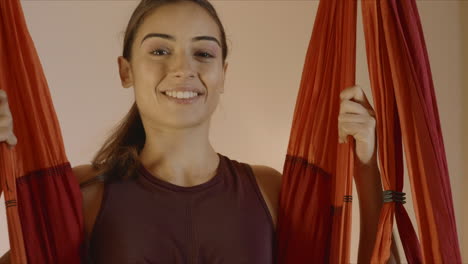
point(79, 41)
point(463, 209)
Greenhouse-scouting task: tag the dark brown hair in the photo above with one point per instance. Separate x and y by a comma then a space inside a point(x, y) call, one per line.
point(118, 158)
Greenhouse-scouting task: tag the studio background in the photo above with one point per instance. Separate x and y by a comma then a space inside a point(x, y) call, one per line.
point(78, 43)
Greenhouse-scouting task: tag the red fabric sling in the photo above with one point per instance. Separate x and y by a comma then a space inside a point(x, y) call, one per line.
point(407, 109)
point(314, 217)
point(43, 199)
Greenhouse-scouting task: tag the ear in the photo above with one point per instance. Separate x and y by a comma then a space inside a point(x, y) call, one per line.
point(125, 72)
point(224, 76)
point(225, 67)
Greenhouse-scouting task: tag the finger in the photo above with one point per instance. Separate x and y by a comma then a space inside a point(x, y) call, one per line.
point(341, 132)
point(4, 135)
point(356, 118)
point(341, 135)
point(355, 93)
point(347, 128)
point(3, 98)
point(3, 95)
point(12, 140)
point(3, 105)
point(344, 132)
point(359, 131)
point(353, 107)
point(6, 121)
point(7, 136)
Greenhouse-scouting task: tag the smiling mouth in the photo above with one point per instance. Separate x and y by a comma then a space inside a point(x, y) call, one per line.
point(182, 95)
point(185, 98)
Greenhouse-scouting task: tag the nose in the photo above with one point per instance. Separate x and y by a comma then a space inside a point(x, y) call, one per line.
point(182, 67)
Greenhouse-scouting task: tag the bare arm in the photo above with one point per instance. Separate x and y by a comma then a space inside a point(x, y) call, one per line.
point(6, 258)
point(369, 189)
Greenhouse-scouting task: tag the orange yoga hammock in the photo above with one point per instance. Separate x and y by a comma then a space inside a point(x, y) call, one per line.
point(43, 199)
point(44, 202)
point(407, 109)
point(315, 201)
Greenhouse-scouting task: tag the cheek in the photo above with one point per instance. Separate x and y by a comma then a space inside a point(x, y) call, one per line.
point(213, 78)
point(149, 75)
point(152, 69)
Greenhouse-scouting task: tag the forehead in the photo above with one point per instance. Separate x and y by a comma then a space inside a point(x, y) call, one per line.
point(183, 20)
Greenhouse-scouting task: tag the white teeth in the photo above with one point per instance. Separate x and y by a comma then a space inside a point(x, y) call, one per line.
point(181, 95)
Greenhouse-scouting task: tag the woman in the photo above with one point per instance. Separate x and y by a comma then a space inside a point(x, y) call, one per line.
point(157, 191)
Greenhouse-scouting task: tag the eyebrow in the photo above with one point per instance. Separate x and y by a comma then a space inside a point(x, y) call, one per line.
point(169, 37)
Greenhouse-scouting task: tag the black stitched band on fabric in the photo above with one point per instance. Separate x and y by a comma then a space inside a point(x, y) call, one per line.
point(306, 162)
point(348, 198)
point(394, 196)
point(10, 203)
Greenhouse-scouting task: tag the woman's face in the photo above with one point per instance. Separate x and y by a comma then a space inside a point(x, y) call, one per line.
point(177, 46)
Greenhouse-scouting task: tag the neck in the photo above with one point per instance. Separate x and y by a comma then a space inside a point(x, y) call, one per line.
point(183, 157)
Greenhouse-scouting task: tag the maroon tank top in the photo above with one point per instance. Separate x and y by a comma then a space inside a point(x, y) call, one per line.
point(147, 220)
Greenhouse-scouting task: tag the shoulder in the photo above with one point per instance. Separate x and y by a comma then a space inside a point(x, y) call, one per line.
point(269, 182)
point(271, 176)
point(92, 192)
point(84, 173)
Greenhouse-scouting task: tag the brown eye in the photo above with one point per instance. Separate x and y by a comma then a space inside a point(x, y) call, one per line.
point(157, 52)
point(205, 55)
